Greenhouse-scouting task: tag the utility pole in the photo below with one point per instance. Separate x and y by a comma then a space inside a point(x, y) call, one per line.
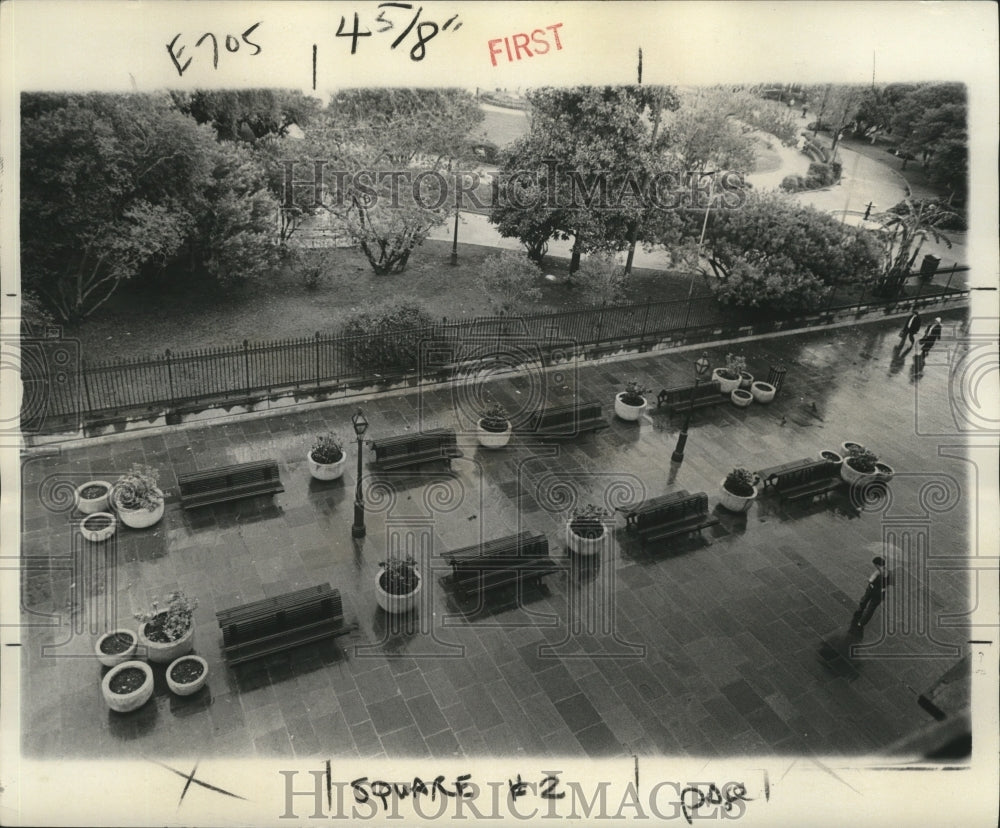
point(634, 236)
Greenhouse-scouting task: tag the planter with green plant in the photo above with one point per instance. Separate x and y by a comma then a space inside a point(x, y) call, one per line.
point(494, 426)
point(860, 465)
point(630, 403)
point(137, 498)
point(327, 457)
point(168, 633)
point(397, 584)
point(738, 490)
point(729, 378)
point(587, 529)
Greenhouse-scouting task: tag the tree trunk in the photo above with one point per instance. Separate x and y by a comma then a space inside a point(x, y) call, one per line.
point(574, 262)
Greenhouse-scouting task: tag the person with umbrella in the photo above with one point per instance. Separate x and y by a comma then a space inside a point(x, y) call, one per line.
point(932, 335)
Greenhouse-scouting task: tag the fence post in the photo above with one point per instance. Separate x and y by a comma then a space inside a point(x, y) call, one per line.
point(86, 386)
point(246, 364)
point(317, 359)
point(645, 323)
point(951, 275)
point(170, 376)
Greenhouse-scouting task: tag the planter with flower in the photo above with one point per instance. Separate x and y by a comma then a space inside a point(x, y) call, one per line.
point(116, 646)
point(630, 403)
point(92, 496)
point(137, 498)
point(128, 686)
point(327, 457)
point(587, 529)
point(187, 675)
point(729, 378)
point(739, 490)
point(98, 527)
point(168, 633)
point(860, 465)
point(397, 584)
point(493, 426)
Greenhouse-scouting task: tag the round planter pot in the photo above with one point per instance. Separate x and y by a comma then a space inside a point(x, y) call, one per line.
point(91, 502)
point(845, 448)
point(746, 380)
point(95, 533)
point(851, 475)
point(883, 471)
point(763, 392)
point(492, 439)
point(133, 700)
point(741, 398)
point(627, 412)
point(585, 546)
point(831, 457)
point(187, 688)
point(726, 386)
point(114, 659)
point(139, 518)
point(734, 502)
point(395, 604)
point(326, 471)
point(160, 653)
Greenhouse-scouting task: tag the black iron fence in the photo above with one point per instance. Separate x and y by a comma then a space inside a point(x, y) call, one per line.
point(61, 392)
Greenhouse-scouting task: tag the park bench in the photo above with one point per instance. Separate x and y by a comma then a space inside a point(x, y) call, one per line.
point(500, 562)
point(679, 517)
point(565, 420)
point(681, 399)
point(276, 624)
point(411, 449)
point(653, 504)
point(818, 478)
point(229, 483)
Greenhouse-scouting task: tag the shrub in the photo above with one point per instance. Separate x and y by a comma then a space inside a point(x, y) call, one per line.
point(137, 489)
point(838, 168)
point(586, 521)
point(311, 276)
point(861, 459)
point(328, 448)
point(740, 481)
point(793, 183)
point(634, 393)
point(820, 173)
point(601, 279)
point(388, 339)
point(510, 279)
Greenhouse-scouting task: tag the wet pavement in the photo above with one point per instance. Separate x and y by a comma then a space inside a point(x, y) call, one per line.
point(731, 643)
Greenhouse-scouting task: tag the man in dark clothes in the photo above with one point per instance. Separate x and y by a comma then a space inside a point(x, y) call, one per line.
point(910, 327)
point(874, 594)
point(928, 339)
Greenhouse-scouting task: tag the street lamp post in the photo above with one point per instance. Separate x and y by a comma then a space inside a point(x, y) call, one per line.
point(360, 427)
point(701, 367)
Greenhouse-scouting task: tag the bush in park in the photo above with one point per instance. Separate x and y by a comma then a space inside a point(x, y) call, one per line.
point(388, 338)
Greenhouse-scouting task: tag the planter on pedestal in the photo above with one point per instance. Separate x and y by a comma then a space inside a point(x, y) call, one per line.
point(128, 686)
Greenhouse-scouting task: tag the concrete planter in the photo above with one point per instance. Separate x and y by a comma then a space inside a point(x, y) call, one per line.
point(139, 518)
point(488, 438)
point(395, 604)
point(763, 392)
point(160, 653)
point(585, 546)
point(136, 698)
point(189, 687)
point(851, 475)
point(90, 530)
point(114, 659)
point(746, 380)
point(91, 504)
point(831, 457)
point(740, 397)
point(626, 411)
point(326, 471)
point(734, 502)
point(726, 386)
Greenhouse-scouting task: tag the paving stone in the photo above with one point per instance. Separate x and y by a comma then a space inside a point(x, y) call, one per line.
point(405, 742)
point(389, 715)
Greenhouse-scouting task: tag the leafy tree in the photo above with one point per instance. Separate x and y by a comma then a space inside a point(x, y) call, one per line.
point(879, 105)
point(510, 280)
point(932, 124)
point(389, 151)
point(248, 114)
point(114, 186)
point(773, 253)
point(904, 229)
point(706, 134)
point(580, 171)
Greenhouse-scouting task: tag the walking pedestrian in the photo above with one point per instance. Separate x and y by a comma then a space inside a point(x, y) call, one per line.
point(874, 594)
point(932, 335)
point(910, 327)
point(868, 210)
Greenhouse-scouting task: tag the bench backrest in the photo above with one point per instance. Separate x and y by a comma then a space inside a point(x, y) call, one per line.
point(682, 393)
point(820, 470)
point(262, 471)
point(696, 504)
point(567, 415)
point(405, 444)
point(272, 620)
point(500, 551)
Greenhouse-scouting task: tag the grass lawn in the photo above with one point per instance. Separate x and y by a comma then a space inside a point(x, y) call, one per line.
point(146, 321)
point(501, 126)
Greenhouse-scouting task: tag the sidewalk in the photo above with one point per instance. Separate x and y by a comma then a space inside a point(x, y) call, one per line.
point(733, 644)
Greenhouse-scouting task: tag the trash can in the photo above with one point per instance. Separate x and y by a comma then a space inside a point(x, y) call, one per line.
point(776, 376)
point(928, 267)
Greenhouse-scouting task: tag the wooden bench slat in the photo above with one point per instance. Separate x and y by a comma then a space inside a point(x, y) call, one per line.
point(674, 517)
point(229, 483)
point(566, 420)
point(411, 449)
point(501, 561)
